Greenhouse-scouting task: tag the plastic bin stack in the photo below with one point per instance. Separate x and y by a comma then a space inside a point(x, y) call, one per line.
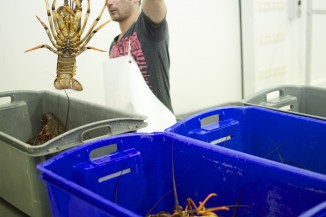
point(257, 158)
point(20, 184)
point(131, 175)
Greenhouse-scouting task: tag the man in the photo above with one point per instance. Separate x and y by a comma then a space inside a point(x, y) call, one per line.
point(145, 30)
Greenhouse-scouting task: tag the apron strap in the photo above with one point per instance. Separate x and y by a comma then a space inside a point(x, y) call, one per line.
point(129, 52)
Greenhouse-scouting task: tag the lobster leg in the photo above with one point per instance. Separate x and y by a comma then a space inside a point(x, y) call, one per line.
point(42, 46)
point(50, 21)
point(86, 18)
point(202, 210)
point(47, 31)
point(91, 48)
point(54, 20)
point(83, 48)
point(93, 26)
point(77, 18)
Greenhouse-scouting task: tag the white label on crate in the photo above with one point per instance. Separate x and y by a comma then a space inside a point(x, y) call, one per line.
point(114, 175)
point(224, 139)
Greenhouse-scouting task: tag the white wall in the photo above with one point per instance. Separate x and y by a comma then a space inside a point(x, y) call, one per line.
point(275, 44)
point(205, 52)
point(318, 44)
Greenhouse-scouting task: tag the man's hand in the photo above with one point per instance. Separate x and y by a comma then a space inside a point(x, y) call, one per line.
point(154, 9)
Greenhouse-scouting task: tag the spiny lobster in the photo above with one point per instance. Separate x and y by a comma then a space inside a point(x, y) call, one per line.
point(52, 127)
point(191, 210)
point(65, 35)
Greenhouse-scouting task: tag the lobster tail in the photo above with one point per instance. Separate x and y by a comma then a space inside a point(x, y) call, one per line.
point(67, 83)
point(66, 69)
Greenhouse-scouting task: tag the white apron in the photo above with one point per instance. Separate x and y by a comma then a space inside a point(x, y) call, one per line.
point(126, 90)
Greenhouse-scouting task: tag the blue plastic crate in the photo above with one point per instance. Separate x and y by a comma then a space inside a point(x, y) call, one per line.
point(279, 136)
point(127, 175)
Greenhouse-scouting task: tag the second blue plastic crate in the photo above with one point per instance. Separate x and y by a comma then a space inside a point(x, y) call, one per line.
point(283, 137)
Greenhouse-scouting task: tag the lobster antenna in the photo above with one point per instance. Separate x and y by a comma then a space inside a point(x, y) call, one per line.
point(68, 110)
point(177, 206)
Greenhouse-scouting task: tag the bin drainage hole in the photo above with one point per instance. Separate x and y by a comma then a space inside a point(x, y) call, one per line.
point(114, 175)
point(220, 140)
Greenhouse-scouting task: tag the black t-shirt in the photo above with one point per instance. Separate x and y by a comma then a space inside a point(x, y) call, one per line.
point(149, 46)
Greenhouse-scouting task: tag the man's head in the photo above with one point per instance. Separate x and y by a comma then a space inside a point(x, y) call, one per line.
point(122, 9)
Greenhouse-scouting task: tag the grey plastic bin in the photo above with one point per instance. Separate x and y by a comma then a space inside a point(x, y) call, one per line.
point(299, 99)
point(20, 121)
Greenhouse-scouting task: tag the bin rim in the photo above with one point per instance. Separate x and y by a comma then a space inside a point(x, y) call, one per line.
point(72, 137)
point(219, 149)
point(318, 211)
point(298, 88)
point(12, 94)
point(247, 106)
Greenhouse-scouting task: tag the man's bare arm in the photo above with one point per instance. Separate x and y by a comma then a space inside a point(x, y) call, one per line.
point(154, 9)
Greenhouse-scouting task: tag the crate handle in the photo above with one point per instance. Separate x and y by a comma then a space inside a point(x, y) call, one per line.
point(211, 119)
point(103, 151)
point(278, 97)
point(273, 95)
point(6, 99)
point(114, 126)
point(85, 133)
point(270, 94)
point(213, 126)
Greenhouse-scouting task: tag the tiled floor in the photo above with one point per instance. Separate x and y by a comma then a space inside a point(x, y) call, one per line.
point(7, 210)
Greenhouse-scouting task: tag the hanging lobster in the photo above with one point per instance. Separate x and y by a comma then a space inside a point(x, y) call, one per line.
point(65, 36)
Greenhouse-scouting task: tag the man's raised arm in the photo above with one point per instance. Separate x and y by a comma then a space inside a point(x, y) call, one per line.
point(154, 9)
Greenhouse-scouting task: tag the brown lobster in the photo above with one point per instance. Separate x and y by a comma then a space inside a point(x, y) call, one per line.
point(65, 36)
point(52, 127)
